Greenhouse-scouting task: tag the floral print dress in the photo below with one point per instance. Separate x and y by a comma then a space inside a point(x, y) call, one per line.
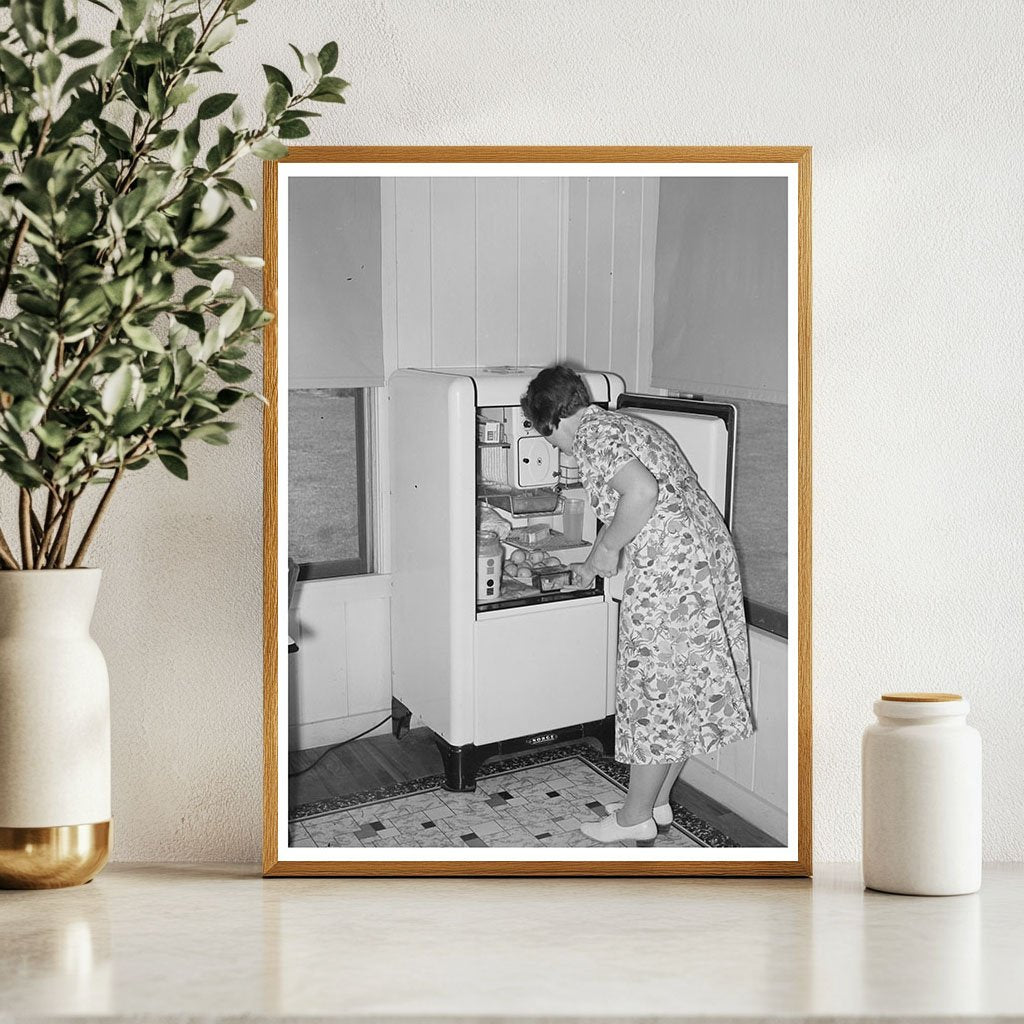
point(683, 675)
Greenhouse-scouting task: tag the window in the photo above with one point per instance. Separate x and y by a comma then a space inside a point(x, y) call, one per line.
point(329, 508)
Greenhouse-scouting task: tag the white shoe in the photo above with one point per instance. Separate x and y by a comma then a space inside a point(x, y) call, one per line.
point(663, 814)
point(608, 830)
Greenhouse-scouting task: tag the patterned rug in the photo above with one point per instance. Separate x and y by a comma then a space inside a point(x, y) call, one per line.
point(534, 800)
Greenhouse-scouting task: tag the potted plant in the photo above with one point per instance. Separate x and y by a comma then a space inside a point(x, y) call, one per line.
point(122, 340)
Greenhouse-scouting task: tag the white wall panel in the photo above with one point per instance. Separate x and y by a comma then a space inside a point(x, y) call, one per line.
point(497, 263)
point(452, 271)
point(539, 270)
point(771, 774)
point(412, 265)
point(576, 272)
point(611, 230)
point(318, 676)
point(627, 206)
point(645, 284)
point(368, 655)
point(599, 240)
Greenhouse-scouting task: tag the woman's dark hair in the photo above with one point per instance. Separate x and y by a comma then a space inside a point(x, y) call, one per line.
point(556, 392)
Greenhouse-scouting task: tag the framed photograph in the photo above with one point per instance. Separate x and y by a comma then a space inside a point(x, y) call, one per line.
point(537, 511)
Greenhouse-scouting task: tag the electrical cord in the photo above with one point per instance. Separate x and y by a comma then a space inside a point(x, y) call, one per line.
point(302, 771)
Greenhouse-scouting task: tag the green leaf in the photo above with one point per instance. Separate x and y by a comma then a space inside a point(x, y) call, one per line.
point(83, 48)
point(128, 421)
point(12, 356)
point(195, 296)
point(227, 397)
point(276, 99)
point(214, 105)
point(116, 390)
point(234, 6)
point(193, 379)
point(175, 465)
point(184, 44)
point(109, 65)
point(324, 96)
point(334, 84)
point(53, 14)
point(26, 414)
point(328, 57)
point(232, 373)
point(144, 338)
point(232, 319)
point(49, 68)
point(53, 435)
point(292, 130)
point(221, 35)
point(222, 282)
point(133, 13)
point(162, 139)
point(149, 53)
point(269, 149)
point(181, 94)
point(16, 70)
point(26, 22)
point(21, 471)
point(279, 77)
point(211, 433)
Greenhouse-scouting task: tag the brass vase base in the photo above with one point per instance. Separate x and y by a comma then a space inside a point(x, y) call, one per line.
point(54, 857)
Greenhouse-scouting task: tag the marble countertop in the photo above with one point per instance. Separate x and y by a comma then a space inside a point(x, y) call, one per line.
point(179, 942)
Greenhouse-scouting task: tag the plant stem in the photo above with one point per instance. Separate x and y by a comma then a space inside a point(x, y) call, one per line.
point(37, 530)
point(6, 554)
point(54, 506)
point(61, 543)
point(25, 520)
point(96, 517)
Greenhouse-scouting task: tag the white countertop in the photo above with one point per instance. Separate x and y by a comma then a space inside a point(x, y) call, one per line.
point(179, 941)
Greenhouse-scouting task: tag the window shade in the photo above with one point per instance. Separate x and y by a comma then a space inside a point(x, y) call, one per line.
point(335, 332)
point(720, 290)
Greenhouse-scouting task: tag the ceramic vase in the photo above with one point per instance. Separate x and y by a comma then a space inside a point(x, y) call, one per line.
point(54, 731)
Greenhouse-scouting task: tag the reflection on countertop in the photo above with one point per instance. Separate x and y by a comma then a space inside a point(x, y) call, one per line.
point(179, 942)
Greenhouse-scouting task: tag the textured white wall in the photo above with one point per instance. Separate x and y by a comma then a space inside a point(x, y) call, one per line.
point(913, 110)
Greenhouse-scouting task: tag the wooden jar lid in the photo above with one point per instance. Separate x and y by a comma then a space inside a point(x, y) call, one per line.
point(921, 698)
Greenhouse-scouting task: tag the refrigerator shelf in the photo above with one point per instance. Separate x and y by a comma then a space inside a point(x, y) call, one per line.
point(554, 541)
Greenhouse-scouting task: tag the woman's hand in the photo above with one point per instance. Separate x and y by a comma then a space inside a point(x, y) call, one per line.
point(602, 561)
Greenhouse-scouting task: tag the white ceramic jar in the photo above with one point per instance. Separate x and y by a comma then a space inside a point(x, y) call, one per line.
point(921, 788)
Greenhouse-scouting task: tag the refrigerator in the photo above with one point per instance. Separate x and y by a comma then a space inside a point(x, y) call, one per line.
point(493, 664)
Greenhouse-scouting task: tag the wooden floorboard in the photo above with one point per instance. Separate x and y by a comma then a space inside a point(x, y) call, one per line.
point(382, 761)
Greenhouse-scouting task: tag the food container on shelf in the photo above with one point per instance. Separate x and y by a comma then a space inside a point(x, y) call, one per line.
point(551, 577)
point(489, 557)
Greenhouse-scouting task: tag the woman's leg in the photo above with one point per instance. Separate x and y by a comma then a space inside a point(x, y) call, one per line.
point(645, 782)
point(665, 793)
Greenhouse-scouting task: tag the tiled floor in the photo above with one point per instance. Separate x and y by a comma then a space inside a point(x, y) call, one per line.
point(537, 805)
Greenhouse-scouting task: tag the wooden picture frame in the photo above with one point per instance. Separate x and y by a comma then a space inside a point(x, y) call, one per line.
point(282, 860)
